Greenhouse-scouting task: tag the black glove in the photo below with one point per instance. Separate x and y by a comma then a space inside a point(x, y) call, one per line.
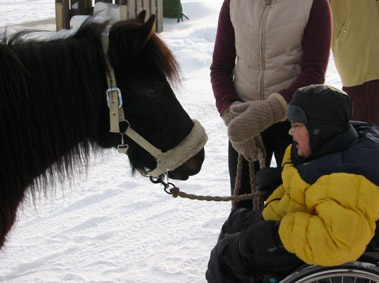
point(239, 219)
point(232, 259)
point(268, 179)
point(226, 263)
point(260, 237)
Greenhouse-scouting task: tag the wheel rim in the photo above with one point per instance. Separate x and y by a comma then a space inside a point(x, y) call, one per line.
point(342, 275)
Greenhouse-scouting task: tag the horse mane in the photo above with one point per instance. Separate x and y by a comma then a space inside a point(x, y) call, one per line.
point(39, 81)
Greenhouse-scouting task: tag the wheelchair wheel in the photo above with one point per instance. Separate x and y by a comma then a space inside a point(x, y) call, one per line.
point(355, 272)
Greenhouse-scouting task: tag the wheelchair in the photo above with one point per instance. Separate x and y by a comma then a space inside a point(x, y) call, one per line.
point(365, 269)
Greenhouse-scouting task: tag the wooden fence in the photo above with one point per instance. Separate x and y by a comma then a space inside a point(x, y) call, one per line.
point(66, 9)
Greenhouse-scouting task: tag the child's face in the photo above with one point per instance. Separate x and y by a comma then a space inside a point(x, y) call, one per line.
point(300, 136)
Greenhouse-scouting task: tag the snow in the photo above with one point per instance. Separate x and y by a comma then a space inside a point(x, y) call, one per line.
point(109, 226)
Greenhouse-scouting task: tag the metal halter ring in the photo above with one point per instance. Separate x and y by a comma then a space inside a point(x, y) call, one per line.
point(159, 180)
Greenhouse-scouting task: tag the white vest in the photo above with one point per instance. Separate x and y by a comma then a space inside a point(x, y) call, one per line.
point(268, 38)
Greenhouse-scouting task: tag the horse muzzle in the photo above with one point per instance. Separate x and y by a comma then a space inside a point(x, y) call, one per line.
point(185, 159)
point(189, 168)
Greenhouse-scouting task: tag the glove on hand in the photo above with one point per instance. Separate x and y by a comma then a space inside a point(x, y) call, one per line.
point(251, 118)
point(248, 148)
point(268, 179)
point(226, 263)
point(226, 114)
point(260, 237)
point(239, 219)
point(230, 259)
point(251, 149)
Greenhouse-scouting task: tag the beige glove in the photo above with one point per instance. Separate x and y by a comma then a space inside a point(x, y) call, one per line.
point(226, 114)
point(249, 119)
point(251, 149)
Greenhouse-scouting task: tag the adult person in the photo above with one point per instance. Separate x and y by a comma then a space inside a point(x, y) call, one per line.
point(355, 46)
point(263, 48)
point(326, 208)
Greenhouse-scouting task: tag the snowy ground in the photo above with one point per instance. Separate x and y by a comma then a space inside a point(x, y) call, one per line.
point(108, 226)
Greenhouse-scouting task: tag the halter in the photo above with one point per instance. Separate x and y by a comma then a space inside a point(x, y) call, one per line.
point(166, 161)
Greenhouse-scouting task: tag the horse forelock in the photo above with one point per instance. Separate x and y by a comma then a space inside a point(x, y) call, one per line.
point(155, 52)
point(165, 60)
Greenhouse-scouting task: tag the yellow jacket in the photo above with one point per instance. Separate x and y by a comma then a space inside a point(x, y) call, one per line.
point(355, 41)
point(330, 220)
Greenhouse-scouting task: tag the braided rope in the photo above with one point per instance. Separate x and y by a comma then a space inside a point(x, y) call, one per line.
point(236, 197)
point(257, 202)
point(238, 179)
point(253, 187)
point(176, 192)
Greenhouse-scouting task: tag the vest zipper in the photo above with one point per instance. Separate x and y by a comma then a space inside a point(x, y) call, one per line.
point(262, 51)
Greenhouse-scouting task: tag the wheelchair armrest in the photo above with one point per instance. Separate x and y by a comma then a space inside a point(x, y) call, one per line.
point(371, 256)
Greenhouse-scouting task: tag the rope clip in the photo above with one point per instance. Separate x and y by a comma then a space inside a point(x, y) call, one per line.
point(160, 180)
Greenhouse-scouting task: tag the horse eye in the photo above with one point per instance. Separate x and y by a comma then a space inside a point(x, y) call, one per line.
point(152, 92)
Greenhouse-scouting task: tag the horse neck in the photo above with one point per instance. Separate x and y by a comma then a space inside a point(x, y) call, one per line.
point(59, 116)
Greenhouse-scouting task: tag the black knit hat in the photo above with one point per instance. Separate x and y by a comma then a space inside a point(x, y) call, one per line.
point(325, 111)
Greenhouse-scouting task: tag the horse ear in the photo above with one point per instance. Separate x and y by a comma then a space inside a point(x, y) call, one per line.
point(143, 33)
point(141, 16)
point(127, 41)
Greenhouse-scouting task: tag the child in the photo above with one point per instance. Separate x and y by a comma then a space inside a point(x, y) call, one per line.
point(326, 208)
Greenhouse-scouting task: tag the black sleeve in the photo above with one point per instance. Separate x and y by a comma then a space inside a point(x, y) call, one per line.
point(268, 179)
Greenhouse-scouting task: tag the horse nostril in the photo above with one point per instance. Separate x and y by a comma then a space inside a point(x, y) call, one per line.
point(193, 165)
point(178, 175)
point(189, 168)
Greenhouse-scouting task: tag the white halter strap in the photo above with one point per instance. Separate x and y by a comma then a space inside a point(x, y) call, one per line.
point(166, 161)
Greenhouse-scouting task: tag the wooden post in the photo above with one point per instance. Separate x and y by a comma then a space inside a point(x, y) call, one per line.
point(62, 14)
point(146, 6)
point(81, 7)
point(153, 7)
point(159, 15)
point(123, 9)
point(128, 9)
point(138, 6)
point(59, 14)
point(132, 9)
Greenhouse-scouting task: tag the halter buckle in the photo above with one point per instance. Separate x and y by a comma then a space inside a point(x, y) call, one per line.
point(118, 91)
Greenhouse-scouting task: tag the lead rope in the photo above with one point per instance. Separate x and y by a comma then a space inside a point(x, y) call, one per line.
point(261, 158)
point(255, 194)
point(253, 186)
point(257, 203)
point(238, 179)
point(173, 190)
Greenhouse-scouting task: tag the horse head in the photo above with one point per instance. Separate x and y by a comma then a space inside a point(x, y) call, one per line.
point(54, 113)
point(145, 71)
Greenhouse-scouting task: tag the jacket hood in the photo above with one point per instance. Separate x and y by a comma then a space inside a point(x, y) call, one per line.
point(325, 111)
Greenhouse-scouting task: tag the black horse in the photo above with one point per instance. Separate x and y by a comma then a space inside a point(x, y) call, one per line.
point(54, 110)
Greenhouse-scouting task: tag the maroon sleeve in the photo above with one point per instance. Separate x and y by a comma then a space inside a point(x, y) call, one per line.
point(224, 56)
point(316, 48)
